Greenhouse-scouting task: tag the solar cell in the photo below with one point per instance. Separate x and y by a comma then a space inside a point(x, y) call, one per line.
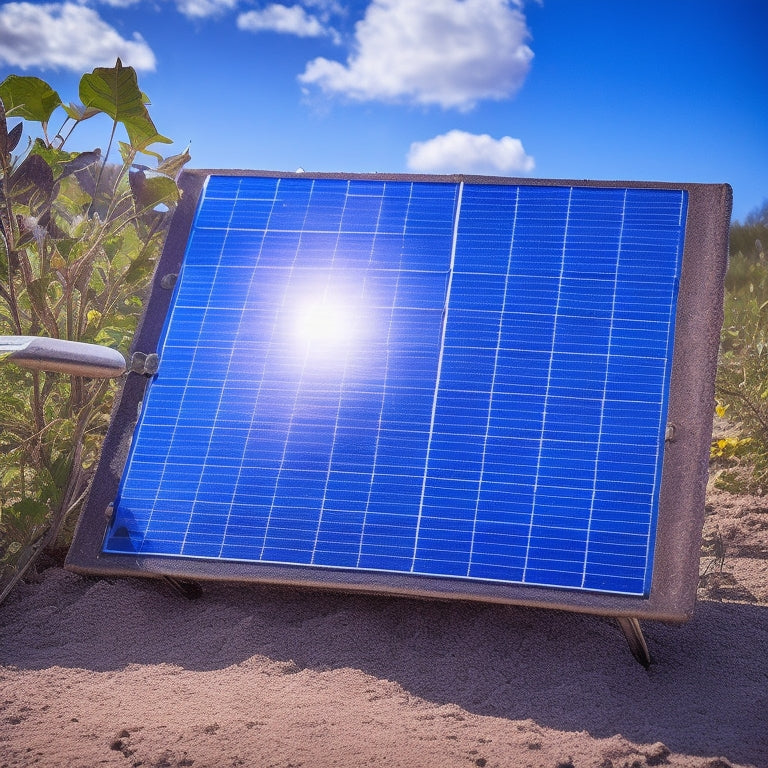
point(431, 378)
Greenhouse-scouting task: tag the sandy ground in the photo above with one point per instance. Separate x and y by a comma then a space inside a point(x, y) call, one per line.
point(123, 672)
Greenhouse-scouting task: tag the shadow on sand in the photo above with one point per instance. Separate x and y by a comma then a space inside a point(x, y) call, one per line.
point(705, 694)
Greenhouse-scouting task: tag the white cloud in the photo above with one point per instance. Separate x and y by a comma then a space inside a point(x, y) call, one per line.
point(447, 52)
point(193, 9)
point(462, 152)
point(327, 7)
point(198, 9)
point(113, 3)
point(65, 36)
point(291, 20)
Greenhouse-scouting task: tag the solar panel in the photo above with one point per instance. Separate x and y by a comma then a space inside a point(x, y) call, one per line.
point(436, 385)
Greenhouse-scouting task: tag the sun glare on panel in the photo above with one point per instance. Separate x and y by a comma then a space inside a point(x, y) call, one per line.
point(324, 324)
point(326, 327)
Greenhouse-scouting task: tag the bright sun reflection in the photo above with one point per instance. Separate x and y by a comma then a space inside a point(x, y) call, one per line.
point(325, 321)
point(325, 324)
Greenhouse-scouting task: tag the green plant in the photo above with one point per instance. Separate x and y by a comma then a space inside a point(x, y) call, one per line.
point(729, 448)
point(750, 238)
point(78, 240)
point(742, 377)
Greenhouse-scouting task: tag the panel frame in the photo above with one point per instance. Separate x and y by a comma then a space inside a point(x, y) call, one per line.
point(685, 464)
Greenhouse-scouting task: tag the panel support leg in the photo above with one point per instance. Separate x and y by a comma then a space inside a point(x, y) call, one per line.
point(189, 589)
point(634, 634)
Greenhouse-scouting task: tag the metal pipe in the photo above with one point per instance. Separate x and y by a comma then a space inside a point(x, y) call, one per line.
point(62, 356)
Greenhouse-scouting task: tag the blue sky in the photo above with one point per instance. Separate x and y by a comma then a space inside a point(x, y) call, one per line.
point(673, 90)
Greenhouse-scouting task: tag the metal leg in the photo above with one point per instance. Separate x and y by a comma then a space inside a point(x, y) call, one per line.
point(189, 589)
point(634, 634)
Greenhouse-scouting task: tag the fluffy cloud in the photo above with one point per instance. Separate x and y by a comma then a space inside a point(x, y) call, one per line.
point(65, 36)
point(193, 9)
point(292, 20)
point(447, 52)
point(113, 3)
point(198, 9)
point(326, 8)
point(461, 152)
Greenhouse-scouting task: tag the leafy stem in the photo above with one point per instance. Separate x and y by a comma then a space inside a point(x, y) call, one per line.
point(79, 235)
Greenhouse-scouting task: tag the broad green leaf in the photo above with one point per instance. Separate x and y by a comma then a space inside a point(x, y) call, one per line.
point(115, 91)
point(141, 141)
point(64, 163)
point(67, 248)
point(113, 337)
point(154, 190)
point(26, 518)
point(34, 512)
point(29, 98)
point(51, 155)
point(8, 139)
point(14, 135)
point(38, 291)
point(59, 474)
point(79, 112)
point(74, 200)
point(127, 152)
point(173, 165)
point(33, 177)
point(3, 130)
point(81, 162)
point(57, 262)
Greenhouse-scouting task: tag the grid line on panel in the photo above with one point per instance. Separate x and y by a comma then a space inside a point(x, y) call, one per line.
point(240, 469)
point(330, 467)
point(492, 392)
point(547, 390)
point(648, 321)
point(375, 461)
point(384, 392)
point(185, 390)
point(291, 420)
point(376, 447)
point(444, 324)
point(604, 394)
point(223, 387)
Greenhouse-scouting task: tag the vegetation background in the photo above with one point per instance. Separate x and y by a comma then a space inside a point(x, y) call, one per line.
point(79, 236)
point(740, 455)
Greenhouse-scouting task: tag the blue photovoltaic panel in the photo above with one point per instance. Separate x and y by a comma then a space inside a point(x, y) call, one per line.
point(444, 379)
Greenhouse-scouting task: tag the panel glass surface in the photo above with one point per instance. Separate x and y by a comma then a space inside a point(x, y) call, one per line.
point(456, 380)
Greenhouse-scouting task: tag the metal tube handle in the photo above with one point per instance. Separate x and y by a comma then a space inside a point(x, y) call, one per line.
point(60, 355)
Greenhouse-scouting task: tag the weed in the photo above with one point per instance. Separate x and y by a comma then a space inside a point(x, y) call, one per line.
point(78, 240)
